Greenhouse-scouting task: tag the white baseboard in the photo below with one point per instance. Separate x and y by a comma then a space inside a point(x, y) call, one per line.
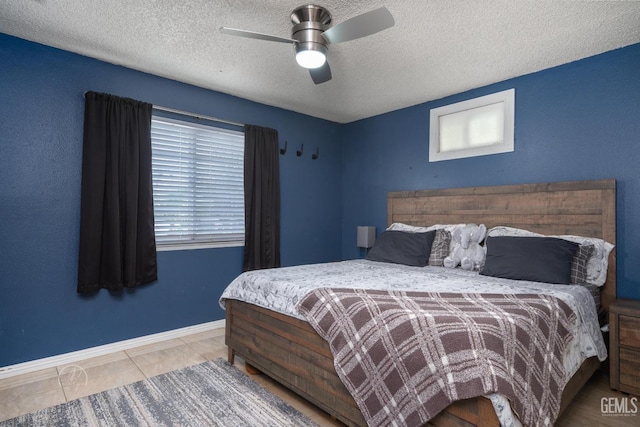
point(75, 356)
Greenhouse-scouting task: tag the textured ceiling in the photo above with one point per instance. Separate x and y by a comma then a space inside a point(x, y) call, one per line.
point(436, 48)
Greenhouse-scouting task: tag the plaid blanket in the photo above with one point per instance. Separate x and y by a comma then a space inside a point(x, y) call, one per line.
point(405, 356)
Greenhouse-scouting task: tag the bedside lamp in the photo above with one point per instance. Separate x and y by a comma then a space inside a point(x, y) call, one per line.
point(366, 237)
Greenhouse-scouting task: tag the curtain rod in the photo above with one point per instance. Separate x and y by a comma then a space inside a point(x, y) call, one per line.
point(187, 113)
point(197, 116)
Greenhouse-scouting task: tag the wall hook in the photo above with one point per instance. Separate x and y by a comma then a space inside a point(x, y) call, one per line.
point(284, 150)
point(315, 155)
point(300, 151)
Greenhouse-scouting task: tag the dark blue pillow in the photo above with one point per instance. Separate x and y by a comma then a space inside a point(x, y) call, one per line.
point(399, 247)
point(538, 259)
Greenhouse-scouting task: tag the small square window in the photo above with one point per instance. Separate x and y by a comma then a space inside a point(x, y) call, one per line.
point(475, 127)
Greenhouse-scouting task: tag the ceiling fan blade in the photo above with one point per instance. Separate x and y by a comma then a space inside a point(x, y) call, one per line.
point(254, 35)
point(321, 74)
point(360, 26)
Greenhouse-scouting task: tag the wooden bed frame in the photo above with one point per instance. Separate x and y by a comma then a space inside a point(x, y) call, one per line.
point(291, 352)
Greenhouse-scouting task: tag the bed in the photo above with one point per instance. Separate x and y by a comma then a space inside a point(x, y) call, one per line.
point(290, 350)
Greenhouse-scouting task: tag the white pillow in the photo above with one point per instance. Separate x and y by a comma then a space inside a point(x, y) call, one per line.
point(596, 266)
point(398, 226)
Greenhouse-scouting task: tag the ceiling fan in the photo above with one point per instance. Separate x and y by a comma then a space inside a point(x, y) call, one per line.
point(312, 33)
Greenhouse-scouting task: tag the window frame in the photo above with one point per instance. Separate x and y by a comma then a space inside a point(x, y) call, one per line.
point(506, 97)
point(198, 122)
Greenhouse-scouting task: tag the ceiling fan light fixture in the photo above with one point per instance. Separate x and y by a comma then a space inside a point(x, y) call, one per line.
point(312, 33)
point(311, 55)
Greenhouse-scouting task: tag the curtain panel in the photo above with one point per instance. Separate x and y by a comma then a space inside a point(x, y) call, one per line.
point(262, 198)
point(117, 240)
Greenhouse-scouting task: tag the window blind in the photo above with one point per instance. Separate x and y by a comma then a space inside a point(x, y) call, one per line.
point(474, 127)
point(198, 183)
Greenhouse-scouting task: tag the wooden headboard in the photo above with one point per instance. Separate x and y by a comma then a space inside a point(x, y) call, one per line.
point(582, 208)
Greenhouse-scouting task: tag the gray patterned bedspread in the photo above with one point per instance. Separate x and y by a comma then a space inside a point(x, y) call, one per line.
point(405, 356)
point(282, 290)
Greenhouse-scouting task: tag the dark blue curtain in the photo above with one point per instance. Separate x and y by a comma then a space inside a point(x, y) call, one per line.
point(262, 198)
point(117, 240)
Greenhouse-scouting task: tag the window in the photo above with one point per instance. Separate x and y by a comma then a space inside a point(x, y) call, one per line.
point(475, 127)
point(198, 184)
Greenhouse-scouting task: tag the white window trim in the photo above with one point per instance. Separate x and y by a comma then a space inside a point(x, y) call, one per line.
point(190, 246)
point(505, 146)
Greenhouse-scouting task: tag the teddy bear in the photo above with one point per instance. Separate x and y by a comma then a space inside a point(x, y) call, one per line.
point(466, 250)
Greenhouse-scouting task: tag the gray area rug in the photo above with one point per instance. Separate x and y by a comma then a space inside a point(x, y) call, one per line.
point(213, 393)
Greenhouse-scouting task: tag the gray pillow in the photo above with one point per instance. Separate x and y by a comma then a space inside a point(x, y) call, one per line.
point(440, 247)
point(538, 259)
point(579, 264)
point(402, 248)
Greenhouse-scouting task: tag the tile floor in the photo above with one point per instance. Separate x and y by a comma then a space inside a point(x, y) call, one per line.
point(30, 392)
point(26, 393)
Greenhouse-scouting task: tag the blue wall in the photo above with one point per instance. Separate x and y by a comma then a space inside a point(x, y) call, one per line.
point(573, 122)
point(577, 121)
point(41, 120)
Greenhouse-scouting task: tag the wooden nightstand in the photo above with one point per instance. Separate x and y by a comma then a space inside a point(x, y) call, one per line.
point(624, 323)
